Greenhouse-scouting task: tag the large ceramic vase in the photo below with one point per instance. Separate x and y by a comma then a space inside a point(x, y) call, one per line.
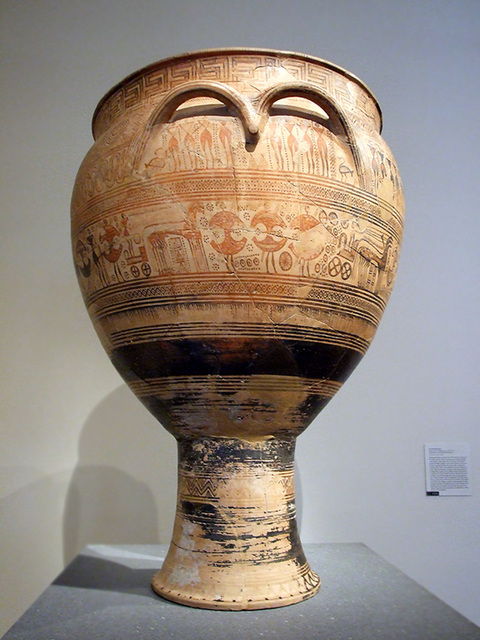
point(236, 229)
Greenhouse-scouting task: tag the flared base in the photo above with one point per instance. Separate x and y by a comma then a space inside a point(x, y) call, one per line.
point(242, 596)
point(235, 543)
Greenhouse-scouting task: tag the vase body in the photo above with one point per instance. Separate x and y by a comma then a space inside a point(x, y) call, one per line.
point(236, 229)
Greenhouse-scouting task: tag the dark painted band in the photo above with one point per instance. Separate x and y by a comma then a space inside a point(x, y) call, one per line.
point(235, 357)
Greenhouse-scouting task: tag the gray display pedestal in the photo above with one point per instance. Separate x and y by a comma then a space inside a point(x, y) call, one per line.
point(105, 594)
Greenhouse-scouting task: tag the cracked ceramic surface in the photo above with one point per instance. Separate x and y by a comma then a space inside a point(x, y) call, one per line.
point(236, 229)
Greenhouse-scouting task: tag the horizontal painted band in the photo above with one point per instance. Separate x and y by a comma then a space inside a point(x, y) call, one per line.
point(174, 386)
point(205, 331)
point(165, 295)
point(235, 357)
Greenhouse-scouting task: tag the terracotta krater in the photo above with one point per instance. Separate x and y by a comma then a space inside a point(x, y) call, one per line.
point(236, 229)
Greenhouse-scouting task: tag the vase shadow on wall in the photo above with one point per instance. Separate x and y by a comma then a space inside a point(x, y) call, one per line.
point(123, 488)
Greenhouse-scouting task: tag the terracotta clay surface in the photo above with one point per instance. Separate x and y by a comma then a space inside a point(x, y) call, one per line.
point(236, 229)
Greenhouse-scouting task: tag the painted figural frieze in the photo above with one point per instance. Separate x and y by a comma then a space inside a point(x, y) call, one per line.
point(236, 229)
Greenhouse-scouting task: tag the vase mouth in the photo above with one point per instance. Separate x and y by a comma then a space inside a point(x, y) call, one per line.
point(279, 53)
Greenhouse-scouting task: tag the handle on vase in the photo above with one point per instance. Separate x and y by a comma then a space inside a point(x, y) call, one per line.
point(340, 125)
point(252, 115)
point(199, 88)
point(165, 109)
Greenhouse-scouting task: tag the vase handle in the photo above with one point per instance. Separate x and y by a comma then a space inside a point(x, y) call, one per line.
point(170, 102)
point(253, 118)
point(211, 89)
point(340, 125)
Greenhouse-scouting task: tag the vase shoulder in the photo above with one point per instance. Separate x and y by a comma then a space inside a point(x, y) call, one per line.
point(248, 69)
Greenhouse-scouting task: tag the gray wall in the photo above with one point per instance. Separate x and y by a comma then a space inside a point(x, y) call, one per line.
point(82, 461)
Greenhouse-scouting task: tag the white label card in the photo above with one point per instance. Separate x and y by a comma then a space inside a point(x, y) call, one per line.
point(447, 469)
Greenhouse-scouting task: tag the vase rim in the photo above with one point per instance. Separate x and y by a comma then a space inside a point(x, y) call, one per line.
point(236, 50)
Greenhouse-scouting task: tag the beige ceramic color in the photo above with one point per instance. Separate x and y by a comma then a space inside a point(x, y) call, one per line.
point(236, 229)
